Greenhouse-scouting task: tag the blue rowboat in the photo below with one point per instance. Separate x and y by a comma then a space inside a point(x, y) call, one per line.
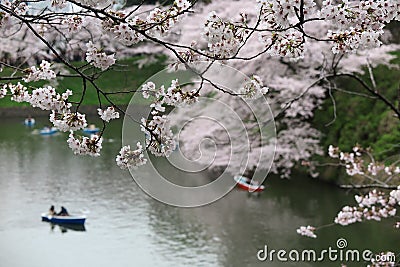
point(29, 122)
point(48, 131)
point(91, 130)
point(71, 219)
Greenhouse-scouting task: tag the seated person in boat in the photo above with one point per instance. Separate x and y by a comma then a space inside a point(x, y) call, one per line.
point(52, 211)
point(63, 212)
point(29, 119)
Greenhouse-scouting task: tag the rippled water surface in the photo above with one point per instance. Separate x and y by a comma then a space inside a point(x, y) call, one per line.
point(125, 227)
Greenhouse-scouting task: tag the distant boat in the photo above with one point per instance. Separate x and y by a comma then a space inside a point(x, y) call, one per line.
point(248, 185)
point(91, 129)
point(71, 219)
point(48, 131)
point(29, 122)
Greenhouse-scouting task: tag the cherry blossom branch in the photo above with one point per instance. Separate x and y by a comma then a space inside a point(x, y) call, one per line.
point(367, 186)
point(369, 89)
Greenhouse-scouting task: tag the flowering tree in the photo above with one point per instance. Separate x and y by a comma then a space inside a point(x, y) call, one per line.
point(284, 29)
point(297, 88)
point(297, 48)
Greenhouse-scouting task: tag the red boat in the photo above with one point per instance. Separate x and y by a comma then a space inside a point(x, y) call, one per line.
point(248, 185)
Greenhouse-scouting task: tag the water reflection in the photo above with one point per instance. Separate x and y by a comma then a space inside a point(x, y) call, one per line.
point(65, 227)
point(128, 228)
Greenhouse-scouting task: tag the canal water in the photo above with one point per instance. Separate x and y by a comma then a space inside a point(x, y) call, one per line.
point(125, 227)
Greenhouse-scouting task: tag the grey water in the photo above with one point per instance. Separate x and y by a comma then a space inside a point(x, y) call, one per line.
point(126, 227)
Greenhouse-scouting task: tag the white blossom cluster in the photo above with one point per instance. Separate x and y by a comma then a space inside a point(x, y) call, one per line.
point(148, 89)
point(355, 22)
point(128, 158)
point(353, 39)
point(5, 17)
point(108, 114)
point(356, 165)
point(61, 116)
point(97, 58)
point(125, 34)
point(95, 3)
point(391, 170)
point(174, 95)
point(157, 23)
point(365, 14)
point(373, 206)
point(42, 28)
point(47, 98)
point(182, 5)
point(289, 43)
point(376, 206)
point(348, 215)
point(18, 92)
point(3, 91)
point(254, 88)
point(68, 121)
point(189, 55)
point(307, 231)
point(333, 152)
point(43, 72)
point(84, 145)
point(223, 37)
point(278, 14)
point(160, 21)
point(74, 23)
point(395, 197)
point(159, 137)
point(7, 22)
point(359, 23)
point(58, 3)
point(277, 17)
point(300, 143)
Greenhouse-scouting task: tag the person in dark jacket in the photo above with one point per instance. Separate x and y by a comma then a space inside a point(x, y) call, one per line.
point(52, 211)
point(63, 212)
